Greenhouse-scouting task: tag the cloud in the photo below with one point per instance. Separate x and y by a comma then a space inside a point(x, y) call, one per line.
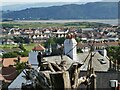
point(50, 0)
point(110, 0)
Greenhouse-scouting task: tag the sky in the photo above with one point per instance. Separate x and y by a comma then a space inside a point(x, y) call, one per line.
point(49, 0)
point(9, 2)
point(12, 2)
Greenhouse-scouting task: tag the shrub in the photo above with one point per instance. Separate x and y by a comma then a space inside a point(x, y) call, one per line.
point(79, 51)
point(15, 54)
point(10, 55)
point(24, 54)
point(20, 66)
point(22, 47)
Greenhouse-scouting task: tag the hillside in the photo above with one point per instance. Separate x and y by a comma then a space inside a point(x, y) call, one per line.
point(96, 10)
point(20, 6)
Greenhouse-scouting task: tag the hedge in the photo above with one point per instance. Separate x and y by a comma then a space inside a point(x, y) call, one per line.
point(15, 54)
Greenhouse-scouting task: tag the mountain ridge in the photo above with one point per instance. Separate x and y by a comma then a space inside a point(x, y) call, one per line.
point(16, 7)
point(96, 10)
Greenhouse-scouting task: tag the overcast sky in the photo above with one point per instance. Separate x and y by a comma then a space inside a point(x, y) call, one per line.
point(49, 0)
point(9, 2)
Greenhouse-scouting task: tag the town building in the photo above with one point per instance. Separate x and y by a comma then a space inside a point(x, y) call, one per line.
point(103, 75)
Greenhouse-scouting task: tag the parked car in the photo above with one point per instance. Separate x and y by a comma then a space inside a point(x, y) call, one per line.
point(102, 61)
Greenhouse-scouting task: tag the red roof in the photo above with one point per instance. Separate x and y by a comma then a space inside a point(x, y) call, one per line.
point(38, 48)
point(11, 61)
point(98, 44)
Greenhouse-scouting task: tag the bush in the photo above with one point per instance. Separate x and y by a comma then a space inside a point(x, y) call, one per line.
point(24, 54)
point(15, 54)
point(79, 51)
point(22, 47)
point(20, 66)
point(10, 55)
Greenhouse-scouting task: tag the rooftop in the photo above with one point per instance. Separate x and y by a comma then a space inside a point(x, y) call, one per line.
point(96, 64)
point(11, 61)
point(38, 48)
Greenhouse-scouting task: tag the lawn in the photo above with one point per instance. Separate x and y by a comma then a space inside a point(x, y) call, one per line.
point(31, 24)
point(8, 46)
point(28, 47)
point(43, 25)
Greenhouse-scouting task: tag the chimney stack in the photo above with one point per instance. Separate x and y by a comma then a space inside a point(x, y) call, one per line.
point(70, 47)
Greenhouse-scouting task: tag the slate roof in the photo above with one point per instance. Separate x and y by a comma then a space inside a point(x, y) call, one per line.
point(103, 75)
point(103, 79)
point(81, 57)
point(57, 59)
point(106, 44)
point(96, 64)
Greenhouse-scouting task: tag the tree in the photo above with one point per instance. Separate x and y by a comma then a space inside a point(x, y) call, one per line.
point(60, 40)
point(20, 66)
point(79, 51)
point(78, 39)
point(10, 55)
point(49, 41)
point(22, 47)
point(18, 39)
point(26, 40)
point(114, 53)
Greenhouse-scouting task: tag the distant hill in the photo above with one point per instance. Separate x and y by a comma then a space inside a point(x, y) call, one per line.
point(96, 10)
point(15, 7)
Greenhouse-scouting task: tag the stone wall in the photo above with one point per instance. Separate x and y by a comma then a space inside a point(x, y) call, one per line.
point(103, 78)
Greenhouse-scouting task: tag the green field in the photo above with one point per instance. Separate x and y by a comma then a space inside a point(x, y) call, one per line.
point(50, 24)
point(30, 24)
point(8, 46)
point(28, 47)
